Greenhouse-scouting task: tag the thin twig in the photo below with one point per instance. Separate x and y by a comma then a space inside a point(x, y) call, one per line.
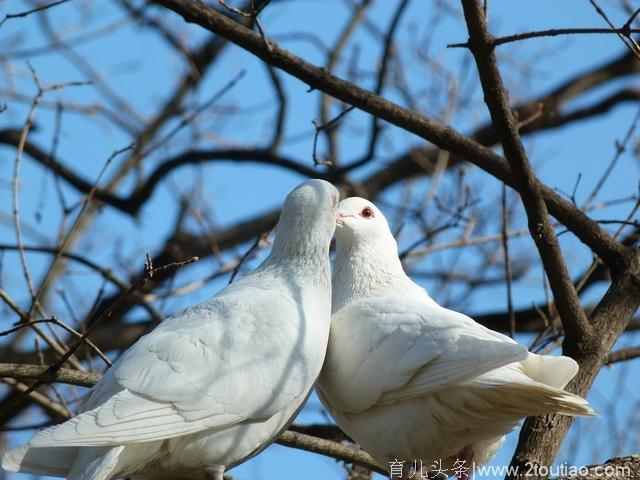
point(333, 56)
point(104, 272)
point(465, 241)
point(55, 409)
point(387, 55)
point(16, 186)
point(244, 257)
point(24, 318)
point(95, 322)
point(64, 326)
point(319, 128)
point(33, 10)
point(620, 148)
point(149, 272)
point(552, 32)
point(278, 130)
point(84, 203)
point(625, 35)
point(623, 355)
point(192, 116)
point(16, 175)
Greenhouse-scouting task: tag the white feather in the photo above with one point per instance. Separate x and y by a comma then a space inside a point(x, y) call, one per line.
point(408, 379)
point(39, 461)
point(213, 385)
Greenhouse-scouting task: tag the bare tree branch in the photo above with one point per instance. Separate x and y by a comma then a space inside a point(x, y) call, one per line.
point(43, 373)
point(444, 136)
point(136, 200)
point(623, 355)
point(40, 8)
point(527, 184)
point(552, 32)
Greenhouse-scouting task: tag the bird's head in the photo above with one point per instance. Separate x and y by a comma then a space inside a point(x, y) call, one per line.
point(313, 201)
point(357, 219)
point(308, 216)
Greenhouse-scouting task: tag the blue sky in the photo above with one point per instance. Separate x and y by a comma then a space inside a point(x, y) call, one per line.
point(141, 68)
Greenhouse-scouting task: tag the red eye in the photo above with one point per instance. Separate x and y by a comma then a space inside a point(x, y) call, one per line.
point(366, 212)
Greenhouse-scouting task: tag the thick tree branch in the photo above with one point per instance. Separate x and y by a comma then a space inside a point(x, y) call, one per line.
point(329, 449)
point(588, 341)
point(46, 375)
point(540, 437)
point(527, 184)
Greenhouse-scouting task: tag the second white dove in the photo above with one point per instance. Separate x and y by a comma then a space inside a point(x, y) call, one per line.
point(412, 381)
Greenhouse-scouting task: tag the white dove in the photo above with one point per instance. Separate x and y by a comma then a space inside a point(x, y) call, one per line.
point(213, 385)
point(411, 381)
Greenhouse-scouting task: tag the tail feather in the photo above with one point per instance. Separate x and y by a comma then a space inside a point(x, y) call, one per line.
point(534, 386)
point(555, 400)
point(40, 461)
point(74, 463)
point(552, 374)
point(550, 370)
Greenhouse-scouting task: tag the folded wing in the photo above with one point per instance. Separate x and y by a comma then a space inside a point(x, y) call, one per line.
point(390, 349)
point(203, 369)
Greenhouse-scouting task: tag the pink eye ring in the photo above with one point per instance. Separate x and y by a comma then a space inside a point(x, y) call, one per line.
point(367, 212)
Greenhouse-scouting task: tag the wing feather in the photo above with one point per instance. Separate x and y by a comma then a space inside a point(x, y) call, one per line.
point(108, 425)
point(204, 368)
point(392, 348)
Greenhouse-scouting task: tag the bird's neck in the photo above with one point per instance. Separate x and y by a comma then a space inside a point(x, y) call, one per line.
point(306, 259)
point(364, 270)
